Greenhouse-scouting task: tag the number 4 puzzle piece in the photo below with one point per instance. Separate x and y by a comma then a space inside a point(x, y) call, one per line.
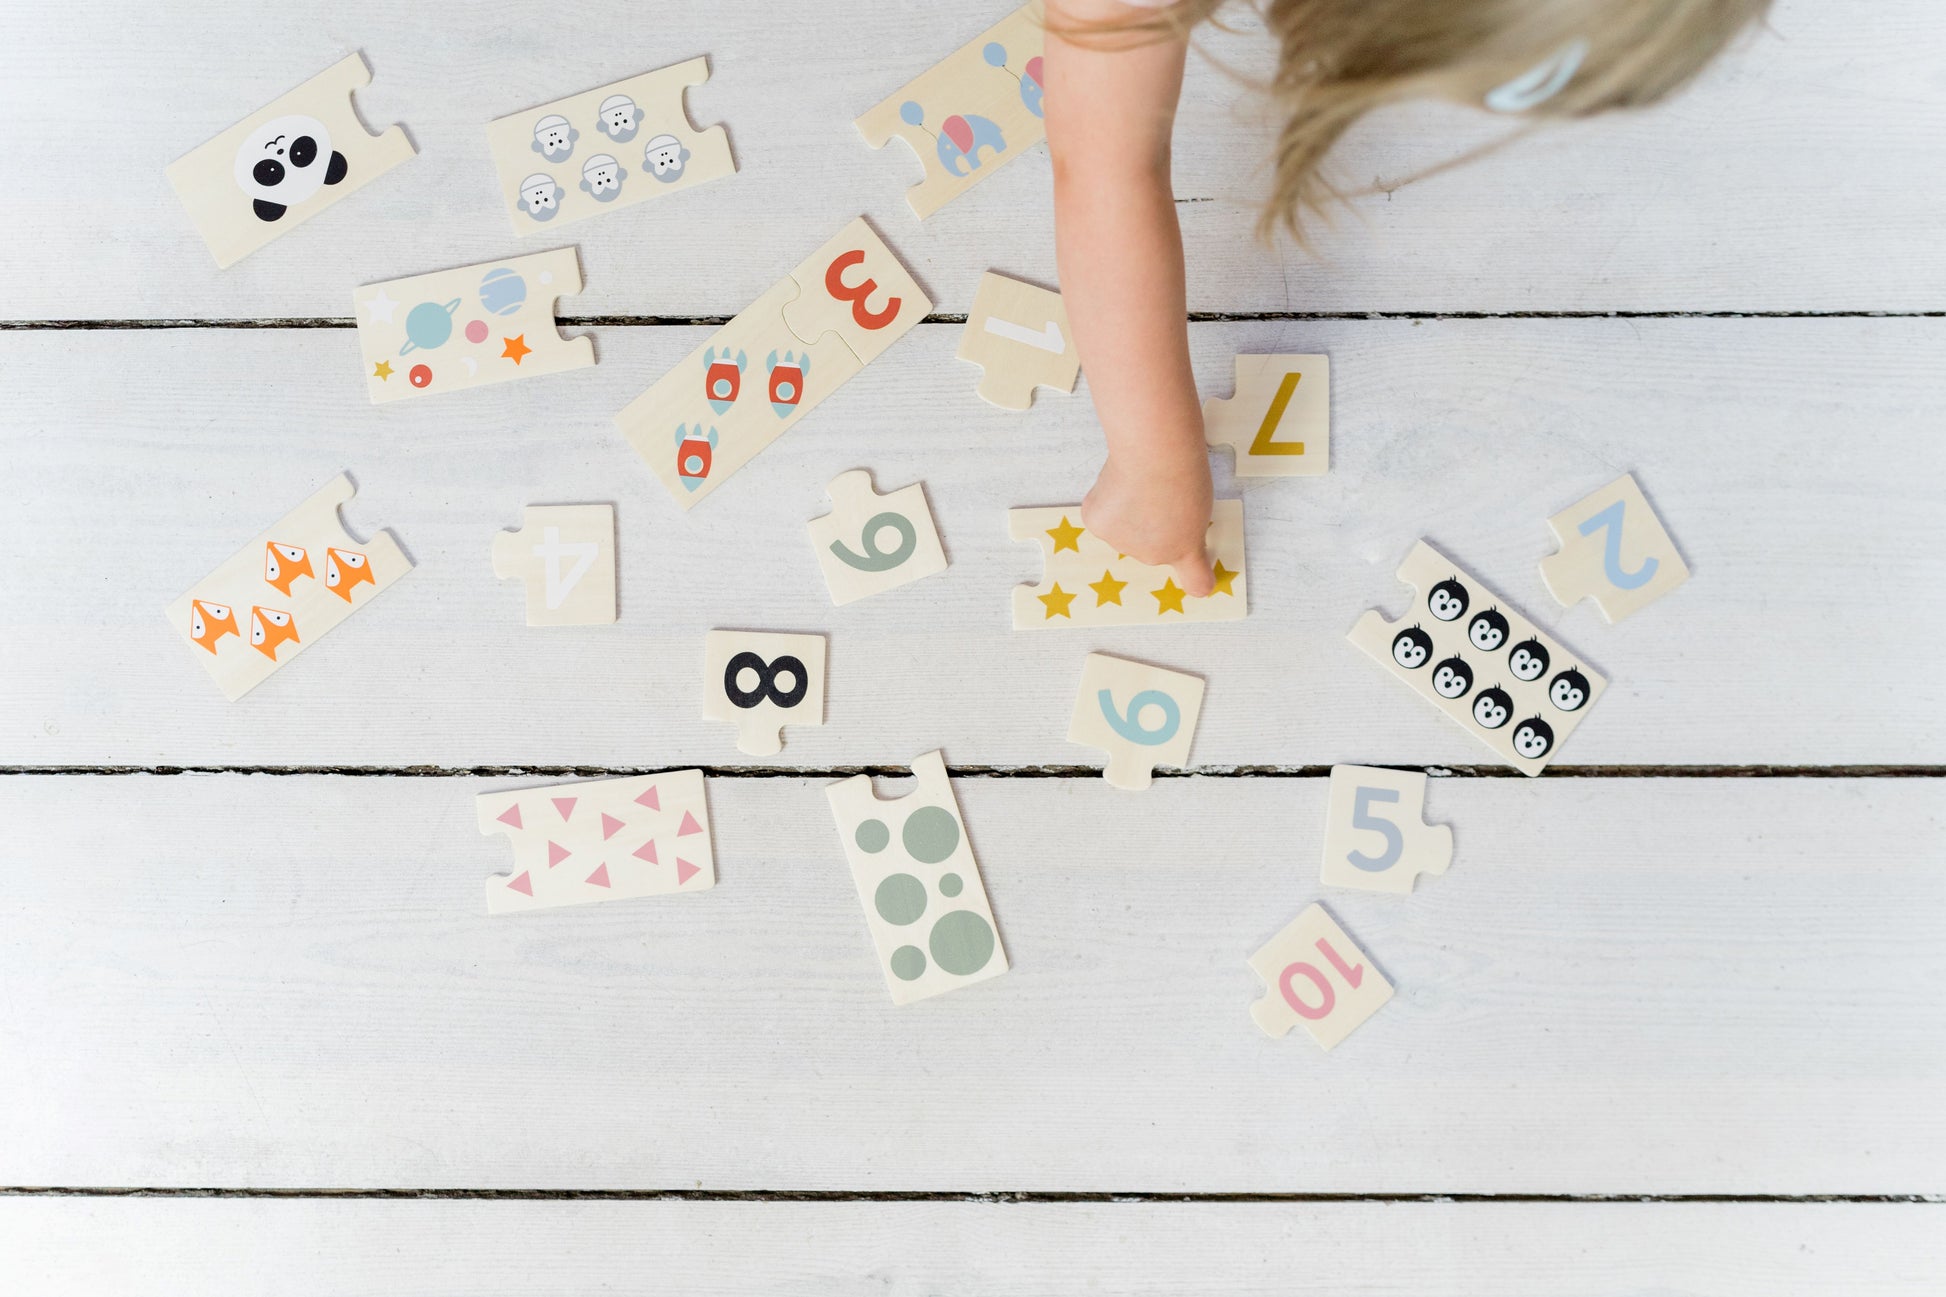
point(1613, 549)
point(1375, 834)
point(600, 840)
point(760, 682)
point(1018, 334)
point(1316, 977)
point(565, 553)
point(1279, 422)
point(847, 540)
point(1142, 716)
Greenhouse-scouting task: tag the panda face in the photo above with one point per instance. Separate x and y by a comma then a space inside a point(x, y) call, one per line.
point(1528, 661)
point(285, 161)
point(1569, 691)
point(1452, 678)
point(1493, 708)
point(1447, 600)
point(1411, 648)
point(1487, 631)
point(1533, 738)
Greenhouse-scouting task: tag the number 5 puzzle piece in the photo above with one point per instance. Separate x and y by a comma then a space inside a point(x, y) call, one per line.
point(1085, 582)
point(600, 840)
point(848, 539)
point(1317, 978)
point(1279, 422)
point(565, 553)
point(760, 682)
point(1613, 549)
point(1375, 834)
point(1018, 334)
point(1142, 716)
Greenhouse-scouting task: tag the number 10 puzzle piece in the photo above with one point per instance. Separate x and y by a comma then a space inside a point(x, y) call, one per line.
point(600, 840)
point(1613, 550)
point(1084, 582)
point(847, 540)
point(1316, 977)
point(1279, 422)
point(1375, 835)
point(1142, 716)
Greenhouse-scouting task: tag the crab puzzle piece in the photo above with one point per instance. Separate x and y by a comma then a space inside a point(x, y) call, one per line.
point(565, 553)
point(606, 149)
point(760, 682)
point(1317, 978)
point(1483, 664)
point(971, 113)
point(1279, 422)
point(1018, 334)
point(1084, 582)
point(851, 541)
point(279, 594)
point(1142, 716)
point(285, 163)
point(1375, 835)
point(1613, 549)
point(925, 904)
point(600, 840)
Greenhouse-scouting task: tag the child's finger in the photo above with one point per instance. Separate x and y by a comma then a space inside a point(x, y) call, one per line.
point(1195, 575)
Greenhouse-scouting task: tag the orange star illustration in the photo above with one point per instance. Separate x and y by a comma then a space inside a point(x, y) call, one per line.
point(516, 348)
point(1066, 536)
point(1107, 590)
point(1057, 601)
point(1169, 597)
point(382, 370)
point(1224, 576)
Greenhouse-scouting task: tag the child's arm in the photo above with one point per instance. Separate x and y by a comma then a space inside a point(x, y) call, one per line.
point(1111, 104)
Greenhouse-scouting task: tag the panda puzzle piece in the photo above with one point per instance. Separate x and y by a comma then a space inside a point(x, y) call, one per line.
point(1018, 334)
point(971, 113)
point(1085, 582)
point(1278, 424)
point(565, 554)
point(606, 149)
point(1483, 664)
point(849, 541)
point(1375, 835)
point(761, 681)
point(1614, 550)
point(467, 327)
point(1316, 977)
point(600, 840)
point(283, 591)
point(285, 163)
point(1142, 716)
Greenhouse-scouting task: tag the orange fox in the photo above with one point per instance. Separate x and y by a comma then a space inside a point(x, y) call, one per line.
point(269, 628)
point(283, 564)
point(345, 568)
point(210, 622)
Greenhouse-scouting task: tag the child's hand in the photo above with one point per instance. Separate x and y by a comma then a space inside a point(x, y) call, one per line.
point(1157, 512)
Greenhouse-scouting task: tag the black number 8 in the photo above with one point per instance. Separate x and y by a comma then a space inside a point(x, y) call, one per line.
point(767, 673)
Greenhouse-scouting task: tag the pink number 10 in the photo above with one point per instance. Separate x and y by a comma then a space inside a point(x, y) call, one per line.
point(1353, 975)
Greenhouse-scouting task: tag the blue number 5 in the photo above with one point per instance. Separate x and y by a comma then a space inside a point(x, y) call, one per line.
point(1610, 520)
point(1130, 726)
point(1362, 818)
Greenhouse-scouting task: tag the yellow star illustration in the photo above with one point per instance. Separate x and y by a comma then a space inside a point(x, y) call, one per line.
point(1057, 601)
point(1066, 536)
point(1223, 578)
point(516, 348)
point(1169, 597)
point(383, 369)
point(1107, 590)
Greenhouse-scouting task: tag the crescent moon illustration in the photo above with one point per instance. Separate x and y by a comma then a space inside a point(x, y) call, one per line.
point(472, 366)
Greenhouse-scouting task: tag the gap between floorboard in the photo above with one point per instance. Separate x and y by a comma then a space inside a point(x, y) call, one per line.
point(1003, 772)
point(922, 1196)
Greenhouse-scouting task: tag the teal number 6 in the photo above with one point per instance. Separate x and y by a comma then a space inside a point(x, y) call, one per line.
point(1362, 818)
point(875, 559)
point(1610, 521)
point(1130, 726)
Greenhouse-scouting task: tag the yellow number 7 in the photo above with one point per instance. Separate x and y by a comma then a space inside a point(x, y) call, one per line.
point(1264, 445)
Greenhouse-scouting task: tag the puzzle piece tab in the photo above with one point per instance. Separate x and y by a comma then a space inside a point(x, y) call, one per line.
point(1142, 716)
point(1279, 422)
point(600, 840)
point(1375, 835)
point(1317, 978)
point(1613, 549)
point(1084, 582)
point(760, 682)
point(852, 544)
point(565, 553)
point(1018, 334)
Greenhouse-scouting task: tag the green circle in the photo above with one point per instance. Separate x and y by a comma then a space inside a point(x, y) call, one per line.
point(908, 962)
point(962, 942)
point(872, 836)
point(900, 899)
point(931, 834)
point(950, 885)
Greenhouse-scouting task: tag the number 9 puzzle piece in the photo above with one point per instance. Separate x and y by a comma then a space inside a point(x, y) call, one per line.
point(1613, 549)
point(1018, 335)
point(761, 682)
point(1367, 801)
point(1315, 977)
point(1142, 716)
point(848, 539)
point(565, 553)
point(1279, 422)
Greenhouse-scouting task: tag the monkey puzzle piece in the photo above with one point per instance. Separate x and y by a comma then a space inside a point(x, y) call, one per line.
point(702, 420)
point(1142, 716)
point(280, 593)
point(1613, 549)
point(1317, 978)
point(848, 540)
point(760, 682)
point(1018, 334)
point(565, 553)
point(285, 163)
point(925, 904)
point(1278, 424)
point(1375, 835)
point(1084, 582)
point(1483, 664)
point(974, 111)
point(606, 149)
point(600, 840)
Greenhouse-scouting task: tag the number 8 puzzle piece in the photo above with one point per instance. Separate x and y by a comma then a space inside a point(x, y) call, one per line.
point(848, 539)
point(1142, 716)
point(760, 682)
point(1279, 422)
point(1316, 977)
point(1367, 801)
point(1613, 549)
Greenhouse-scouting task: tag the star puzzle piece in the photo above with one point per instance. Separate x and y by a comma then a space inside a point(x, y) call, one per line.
point(971, 113)
point(1018, 334)
point(1375, 835)
point(851, 541)
point(280, 593)
point(1613, 549)
point(761, 681)
point(1142, 716)
point(1279, 422)
point(1483, 664)
point(565, 553)
point(600, 840)
point(1315, 977)
point(925, 904)
point(285, 163)
point(1084, 582)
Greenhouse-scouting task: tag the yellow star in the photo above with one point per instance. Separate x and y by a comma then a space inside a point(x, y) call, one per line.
point(1057, 601)
point(516, 348)
point(1066, 536)
point(383, 369)
point(1107, 590)
point(1169, 597)
point(1223, 578)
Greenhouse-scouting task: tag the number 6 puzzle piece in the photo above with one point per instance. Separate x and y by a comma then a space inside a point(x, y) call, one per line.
point(1613, 549)
point(1315, 976)
point(1367, 801)
point(600, 840)
point(847, 540)
point(565, 553)
point(1142, 716)
point(760, 682)
point(1279, 422)
point(1084, 582)
point(1018, 335)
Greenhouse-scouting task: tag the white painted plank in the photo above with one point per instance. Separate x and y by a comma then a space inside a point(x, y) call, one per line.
point(1807, 172)
point(1796, 462)
point(1622, 986)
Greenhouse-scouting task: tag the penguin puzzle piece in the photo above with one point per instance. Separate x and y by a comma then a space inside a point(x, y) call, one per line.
point(1279, 422)
point(606, 149)
point(1316, 977)
point(925, 904)
point(1142, 716)
point(600, 840)
point(1614, 550)
point(468, 327)
point(849, 541)
point(972, 113)
point(1084, 582)
point(1018, 334)
point(1375, 835)
point(285, 163)
point(565, 554)
point(760, 682)
point(1483, 664)
point(283, 591)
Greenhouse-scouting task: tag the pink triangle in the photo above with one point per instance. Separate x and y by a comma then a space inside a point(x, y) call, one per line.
point(689, 826)
point(565, 805)
point(556, 853)
point(521, 884)
point(685, 871)
point(647, 852)
point(650, 799)
point(610, 826)
point(511, 815)
point(600, 877)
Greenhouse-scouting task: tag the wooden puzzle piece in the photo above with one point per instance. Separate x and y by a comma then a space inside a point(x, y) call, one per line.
point(925, 904)
point(1018, 334)
point(1278, 424)
point(1614, 550)
point(280, 593)
point(606, 149)
point(565, 554)
point(1375, 835)
point(285, 163)
point(1483, 664)
point(854, 287)
point(1316, 977)
point(1142, 716)
point(971, 113)
point(851, 541)
point(600, 840)
point(760, 682)
point(1084, 582)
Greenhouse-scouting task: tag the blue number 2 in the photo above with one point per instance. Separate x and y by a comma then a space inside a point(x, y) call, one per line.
point(1130, 726)
point(1610, 520)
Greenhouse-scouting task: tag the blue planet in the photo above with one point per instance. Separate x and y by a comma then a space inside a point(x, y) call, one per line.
point(503, 291)
point(428, 325)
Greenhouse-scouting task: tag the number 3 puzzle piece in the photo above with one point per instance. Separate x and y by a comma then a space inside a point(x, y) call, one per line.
point(1279, 422)
point(1018, 334)
point(1613, 549)
point(1375, 834)
point(1317, 978)
point(854, 287)
point(760, 682)
point(850, 541)
point(565, 553)
point(1142, 716)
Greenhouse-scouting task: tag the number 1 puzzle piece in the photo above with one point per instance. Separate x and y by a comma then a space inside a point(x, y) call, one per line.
point(760, 682)
point(1018, 334)
point(1279, 422)
point(1613, 549)
point(1142, 716)
point(1084, 582)
point(600, 840)
point(1375, 835)
point(848, 540)
point(1317, 978)
point(565, 553)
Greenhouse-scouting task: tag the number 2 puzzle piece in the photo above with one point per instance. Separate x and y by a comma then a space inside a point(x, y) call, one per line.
point(1317, 978)
point(1279, 422)
point(565, 553)
point(1142, 716)
point(848, 540)
point(1375, 835)
point(1613, 549)
point(1018, 334)
point(285, 163)
point(760, 682)
point(1084, 582)
point(600, 840)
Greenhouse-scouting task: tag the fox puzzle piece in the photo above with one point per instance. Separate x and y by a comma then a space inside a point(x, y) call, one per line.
point(849, 540)
point(1613, 549)
point(1084, 582)
point(1142, 716)
point(279, 594)
point(1483, 664)
point(606, 149)
point(971, 113)
point(285, 163)
point(1315, 976)
point(1375, 835)
point(600, 840)
point(1018, 333)
point(565, 553)
point(760, 682)
point(924, 902)
point(1279, 422)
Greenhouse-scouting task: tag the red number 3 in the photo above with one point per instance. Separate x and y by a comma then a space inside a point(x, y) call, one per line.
point(834, 284)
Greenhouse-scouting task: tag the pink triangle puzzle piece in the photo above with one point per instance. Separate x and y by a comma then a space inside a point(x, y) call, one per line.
point(629, 815)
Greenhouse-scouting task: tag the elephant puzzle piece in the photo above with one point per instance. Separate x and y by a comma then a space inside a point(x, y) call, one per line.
point(1614, 550)
point(1084, 582)
point(565, 554)
point(925, 904)
point(1316, 977)
point(847, 540)
point(606, 149)
point(279, 594)
point(1483, 664)
point(600, 840)
point(1018, 334)
point(1278, 424)
point(1142, 716)
point(1375, 835)
point(806, 335)
point(761, 681)
point(971, 113)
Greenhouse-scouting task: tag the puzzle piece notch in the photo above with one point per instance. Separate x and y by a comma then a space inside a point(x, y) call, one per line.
point(1278, 423)
point(847, 540)
point(1612, 548)
point(1142, 716)
point(1375, 835)
point(1316, 977)
point(565, 555)
point(600, 840)
point(744, 683)
point(856, 288)
point(1019, 336)
point(1085, 582)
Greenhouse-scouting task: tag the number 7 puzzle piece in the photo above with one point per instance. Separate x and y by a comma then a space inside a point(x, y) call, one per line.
point(1613, 549)
point(1142, 716)
point(1085, 582)
point(1279, 422)
point(1375, 834)
point(1018, 334)
point(1317, 978)
point(847, 540)
point(760, 682)
point(565, 553)
point(600, 840)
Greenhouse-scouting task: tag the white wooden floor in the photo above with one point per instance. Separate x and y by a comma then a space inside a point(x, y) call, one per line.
point(1671, 1025)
